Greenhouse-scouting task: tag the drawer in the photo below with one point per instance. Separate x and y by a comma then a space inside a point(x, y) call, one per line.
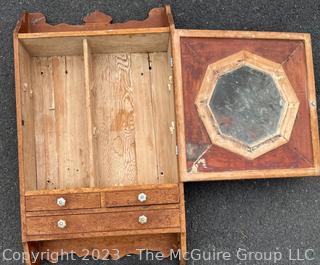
point(142, 197)
point(103, 222)
point(63, 202)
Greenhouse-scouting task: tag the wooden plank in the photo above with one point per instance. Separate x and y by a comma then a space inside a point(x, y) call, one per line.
point(114, 119)
point(27, 122)
point(249, 174)
point(164, 122)
point(313, 103)
point(52, 178)
point(103, 222)
point(124, 233)
point(18, 93)
point(241, 34)
point(80, 33)
point(60, 124)
point(58, 82)
point(45, 132)
point(130, 198)
point(164, 243)
point(69, 45)
point(75, 126)
point(172, 116)
point(146, 160)
point(115, 188)
point(179, 105)
point(92, 144)
point(72, 201)
point(102, 210)
point(183, 234)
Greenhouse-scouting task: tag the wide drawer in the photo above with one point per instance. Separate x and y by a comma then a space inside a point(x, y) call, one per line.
point(103, 222)
point(63, 202)
point(142, 197)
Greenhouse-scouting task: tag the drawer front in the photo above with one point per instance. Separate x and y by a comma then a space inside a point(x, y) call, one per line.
point(103, 222)
point(142, 197)
point(63, 202)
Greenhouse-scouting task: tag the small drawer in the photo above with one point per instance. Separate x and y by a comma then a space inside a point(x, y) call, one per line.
point(103, 222)
point(142, 197)
point(63, 202)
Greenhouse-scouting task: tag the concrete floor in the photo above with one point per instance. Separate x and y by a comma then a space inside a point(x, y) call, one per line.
point(264, 215)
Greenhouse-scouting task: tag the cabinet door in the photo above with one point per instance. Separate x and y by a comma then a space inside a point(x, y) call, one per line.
point(245, 104)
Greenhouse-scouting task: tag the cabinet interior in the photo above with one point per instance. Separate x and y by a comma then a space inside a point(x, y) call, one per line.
point(97, 111)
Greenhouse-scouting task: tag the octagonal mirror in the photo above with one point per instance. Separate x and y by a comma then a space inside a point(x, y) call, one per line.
point(247, 104)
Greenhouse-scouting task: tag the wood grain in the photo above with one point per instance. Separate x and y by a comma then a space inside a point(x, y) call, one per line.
point(130, 198)
point(147, 171)
point(196, 55)
point(27, 122)
point(95, 100)
point(92, 142)
point(60, 125)
point(103, 222)
point(101, 189)
point(73, 201)
point(126, 245)
point(45, 130)
point(36, 22)
point(102, 210)
point(163, 111)
point(141, 41)
point(114, 118)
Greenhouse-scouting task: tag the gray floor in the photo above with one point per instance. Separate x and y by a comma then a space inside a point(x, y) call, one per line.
point(264, 215)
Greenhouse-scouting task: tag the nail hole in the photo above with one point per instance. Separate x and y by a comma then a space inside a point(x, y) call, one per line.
point(66, 72)
point(162, 173)
point(141, 73)
point(22, 122)
point(41, 73)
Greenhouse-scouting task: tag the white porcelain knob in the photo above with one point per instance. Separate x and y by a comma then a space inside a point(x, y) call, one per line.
point(142, 197)
point(61, 202)
point(62, 224)
point(143, 219)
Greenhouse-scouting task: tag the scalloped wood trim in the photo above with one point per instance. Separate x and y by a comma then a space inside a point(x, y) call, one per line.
point(36, 22)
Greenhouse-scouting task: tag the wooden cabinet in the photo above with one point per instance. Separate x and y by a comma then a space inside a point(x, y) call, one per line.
point(113, 118)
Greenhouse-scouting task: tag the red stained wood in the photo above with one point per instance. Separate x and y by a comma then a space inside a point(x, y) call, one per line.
point(198, 53)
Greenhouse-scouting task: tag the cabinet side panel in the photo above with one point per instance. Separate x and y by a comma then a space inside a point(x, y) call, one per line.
point(114, 119)
point(27, 101)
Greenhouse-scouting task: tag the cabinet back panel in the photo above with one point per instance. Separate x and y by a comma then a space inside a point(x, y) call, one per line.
point(132, 116)
point(60, 122)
